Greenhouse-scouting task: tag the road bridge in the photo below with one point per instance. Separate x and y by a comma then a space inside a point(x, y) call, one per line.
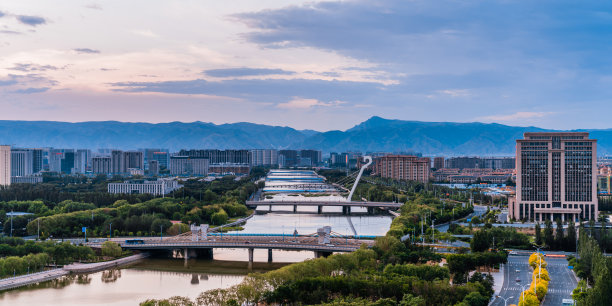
point(346, 205)
point(190, 247)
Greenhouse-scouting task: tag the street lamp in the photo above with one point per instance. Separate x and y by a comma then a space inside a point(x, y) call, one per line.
point(522, 291)
point(505, 300)
point(110, 230)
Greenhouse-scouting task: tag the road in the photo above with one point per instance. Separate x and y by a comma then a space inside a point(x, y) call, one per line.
point(560, 287)
point(478, 211)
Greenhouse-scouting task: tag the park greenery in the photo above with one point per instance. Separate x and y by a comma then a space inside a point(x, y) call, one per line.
point(62, 206)
point(394, 271)
point(595, 270)
point(18, 256)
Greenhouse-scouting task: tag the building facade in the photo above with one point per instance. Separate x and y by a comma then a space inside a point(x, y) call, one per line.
point(438, 163)
point(158, 187)
point(188, 166)
point(403, 167)
point(556, 177)
point(264, 157)
point(220, 156)
point(5, 165)
point(101, 165)
point(22, 162)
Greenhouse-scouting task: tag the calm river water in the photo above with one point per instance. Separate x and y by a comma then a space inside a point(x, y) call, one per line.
point(164, 278)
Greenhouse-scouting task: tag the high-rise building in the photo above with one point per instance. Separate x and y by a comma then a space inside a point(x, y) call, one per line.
point(288, 158)
point(313, 156)
point(21, 162)
point(153, 167)
point(556, 177)
point(54, 158)
point(403, 167)
point(118, 162)
point(37, 160)
point(187, 166)
point(134, 160)
point(82, 161)
point(101, 165)
point(67, 163)
point(264, 157)
point(5, 165)
point(220, 156)
point(463, 163)
point(438, 162)
point(157, 154)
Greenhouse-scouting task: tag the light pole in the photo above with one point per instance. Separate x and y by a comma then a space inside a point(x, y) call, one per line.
point(161, 232)
point(38, 233)
point(505, 300)
point(110, 230)
point(522, 291)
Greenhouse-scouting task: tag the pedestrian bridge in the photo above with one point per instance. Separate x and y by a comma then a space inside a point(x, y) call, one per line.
point(346, 205)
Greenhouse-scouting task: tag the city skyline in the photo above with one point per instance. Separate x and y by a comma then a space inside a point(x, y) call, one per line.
point(307, 65)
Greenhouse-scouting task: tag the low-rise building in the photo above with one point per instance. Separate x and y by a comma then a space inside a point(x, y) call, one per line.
point(157, 187)
point(29, 179)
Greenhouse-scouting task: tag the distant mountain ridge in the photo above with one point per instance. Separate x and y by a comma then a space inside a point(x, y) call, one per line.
point(373, 135)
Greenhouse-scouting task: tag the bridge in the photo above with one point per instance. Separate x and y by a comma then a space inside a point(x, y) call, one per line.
point(323, 243)
point(345, 204)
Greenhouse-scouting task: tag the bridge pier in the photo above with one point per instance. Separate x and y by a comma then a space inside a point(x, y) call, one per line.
point(269, 255)
point(319, 254)
point(294, 208)
point(370, 210)
point(346, 210)
point(270, 209)
point(319, 209)
point(250, 268)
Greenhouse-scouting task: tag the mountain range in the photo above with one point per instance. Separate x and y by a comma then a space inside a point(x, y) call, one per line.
point(373, 135)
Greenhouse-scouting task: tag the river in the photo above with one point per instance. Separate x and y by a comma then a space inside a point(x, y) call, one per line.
point(163, 278)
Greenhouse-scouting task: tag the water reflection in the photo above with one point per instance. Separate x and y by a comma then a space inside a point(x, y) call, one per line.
point(110, 276)
point(129, 286)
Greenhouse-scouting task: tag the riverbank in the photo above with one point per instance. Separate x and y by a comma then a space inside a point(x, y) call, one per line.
point(23, 280)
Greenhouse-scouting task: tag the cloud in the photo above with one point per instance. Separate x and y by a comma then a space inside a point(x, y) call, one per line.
point(455, 93)
point(10, 32)
point(32, 67)
point(145, 33)
point(263, 90)
point(518, 116)
point(239, 72)
point(301, 103)
point(86, 50)
point(2, 14)
point(31, 90)
point(93, 6)
point(31, 20)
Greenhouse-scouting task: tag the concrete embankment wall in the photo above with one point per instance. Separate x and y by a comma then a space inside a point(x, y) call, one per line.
point(98, 266)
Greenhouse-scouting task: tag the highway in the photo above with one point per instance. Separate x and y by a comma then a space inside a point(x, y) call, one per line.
point(560, 287)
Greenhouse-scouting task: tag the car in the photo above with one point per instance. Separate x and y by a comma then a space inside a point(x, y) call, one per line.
point(517, 271)
point(247, 242)
point(512, 253)
point(518, 280)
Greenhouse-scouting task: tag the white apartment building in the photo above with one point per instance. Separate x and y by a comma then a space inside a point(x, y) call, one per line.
point(158, 187)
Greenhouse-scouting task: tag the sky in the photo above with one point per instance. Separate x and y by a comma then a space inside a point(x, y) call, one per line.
point(320, 65)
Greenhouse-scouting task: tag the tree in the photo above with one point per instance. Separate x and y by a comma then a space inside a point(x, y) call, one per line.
point(481, 241)
point(538, 234)
point(571, 237)
point(548, 234)
point(559, 234)
point(111, 249)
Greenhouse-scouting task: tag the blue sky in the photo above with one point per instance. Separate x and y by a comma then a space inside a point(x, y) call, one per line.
point(308, 64)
